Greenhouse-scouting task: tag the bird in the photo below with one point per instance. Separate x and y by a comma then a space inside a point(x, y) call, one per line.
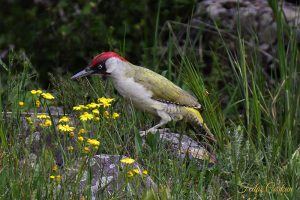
point(148, 91)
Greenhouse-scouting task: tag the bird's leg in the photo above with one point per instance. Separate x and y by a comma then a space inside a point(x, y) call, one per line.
point(165, 118)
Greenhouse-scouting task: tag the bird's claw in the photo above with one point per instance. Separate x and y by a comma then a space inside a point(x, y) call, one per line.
point(153, 131)
point(143, 133)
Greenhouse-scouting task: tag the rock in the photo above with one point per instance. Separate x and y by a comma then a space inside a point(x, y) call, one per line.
point(254, 18)
point(185, 147)
point(109, 176)
point(35, 137)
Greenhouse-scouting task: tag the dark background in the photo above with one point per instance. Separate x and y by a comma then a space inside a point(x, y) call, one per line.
point(62, 36)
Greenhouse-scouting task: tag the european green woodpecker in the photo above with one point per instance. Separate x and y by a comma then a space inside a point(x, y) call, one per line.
point(148, 91)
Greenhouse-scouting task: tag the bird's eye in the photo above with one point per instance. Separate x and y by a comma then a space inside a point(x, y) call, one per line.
point(100, 66)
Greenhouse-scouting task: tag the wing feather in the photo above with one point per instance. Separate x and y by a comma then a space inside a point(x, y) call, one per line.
point(163, 89)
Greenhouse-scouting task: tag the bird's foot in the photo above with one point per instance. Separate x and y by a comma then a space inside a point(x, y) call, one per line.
point(153, 131)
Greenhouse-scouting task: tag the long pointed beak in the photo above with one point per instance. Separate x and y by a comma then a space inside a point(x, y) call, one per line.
point(86, 72)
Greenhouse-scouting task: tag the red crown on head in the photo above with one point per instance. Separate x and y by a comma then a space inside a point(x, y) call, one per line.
point(104, 56)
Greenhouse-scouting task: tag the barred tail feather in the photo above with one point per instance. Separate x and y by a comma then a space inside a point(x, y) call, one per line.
point(196, 119)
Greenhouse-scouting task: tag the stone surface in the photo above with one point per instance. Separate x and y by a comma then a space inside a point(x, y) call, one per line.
point(185, 147)
point(108, 176)
point(254, 18)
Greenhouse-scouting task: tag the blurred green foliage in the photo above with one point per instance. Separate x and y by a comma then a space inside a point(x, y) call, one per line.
point(62, 36)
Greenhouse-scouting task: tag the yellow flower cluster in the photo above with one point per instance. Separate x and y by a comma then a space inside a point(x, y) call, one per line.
point(29, 120)
point(47, 95)
point(56, 178)
point(93, 142)
point(47, 122)
point(87, 143)
point(65, 127)
point(114, 115)
point(36, 92)
point(90, 142)
point(131, 173)
point(43, 116)
point(91, 111)
point(135, 171)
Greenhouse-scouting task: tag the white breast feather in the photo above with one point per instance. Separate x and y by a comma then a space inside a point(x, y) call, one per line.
point(129, 89)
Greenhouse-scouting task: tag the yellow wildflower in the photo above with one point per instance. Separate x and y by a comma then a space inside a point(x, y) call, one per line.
point(21, 103)
point(115, 115)
point(29, 120)
point(95, 111)
point(93, 142)
point(130, 174)
point(145, 172)
point(106, 102)
point(128, 161)
point(79, 107)
point(86, 116)
point(64, 119)
point(206, 93)
point(106, 114)
point(96, 147)
point(47, 123)
point(97, 118)
point(55, 168)
point(80, 139)
point(43, 116)
point(71, 134)
point(82, 131)
point(137, 171)
point(52, 177)
point(70, 148)
point(36, 92)
point(37, 103)
point(86, 149)
point(93, 105)
point(65, 128)
point(57, 178)
point(103, 99)
point(48, 96)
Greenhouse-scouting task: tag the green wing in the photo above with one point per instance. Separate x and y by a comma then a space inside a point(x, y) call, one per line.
point(163, 89)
